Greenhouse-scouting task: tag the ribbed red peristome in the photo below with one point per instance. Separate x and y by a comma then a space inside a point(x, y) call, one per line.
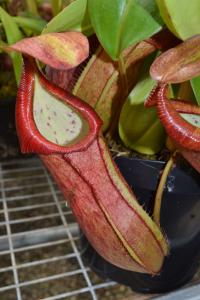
point(30, 138)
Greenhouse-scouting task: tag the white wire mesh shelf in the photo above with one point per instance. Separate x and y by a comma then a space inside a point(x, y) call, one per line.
point(39, 241)
point(39, 251)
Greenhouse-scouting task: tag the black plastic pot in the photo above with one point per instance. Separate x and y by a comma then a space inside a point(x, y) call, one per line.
point(180, 219)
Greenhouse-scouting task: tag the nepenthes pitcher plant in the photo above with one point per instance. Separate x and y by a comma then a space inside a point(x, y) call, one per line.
point(67, 134)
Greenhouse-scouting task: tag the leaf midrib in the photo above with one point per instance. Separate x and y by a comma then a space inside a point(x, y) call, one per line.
point(122, 19)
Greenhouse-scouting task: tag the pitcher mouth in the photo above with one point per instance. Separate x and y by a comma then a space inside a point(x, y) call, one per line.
point(51, 119)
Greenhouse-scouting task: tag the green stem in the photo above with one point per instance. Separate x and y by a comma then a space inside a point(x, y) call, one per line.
point(123, 95)
point(56, 6)
point(160, 189)
point(123, 77)
point(32, 6)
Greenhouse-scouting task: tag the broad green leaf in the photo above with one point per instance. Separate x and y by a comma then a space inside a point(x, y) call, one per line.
point(36, 25)
point(182, 17)
point(13, 34)
point(139, 127)
point(195, 83)
point(192, 119)
point(152, 8)
point(120, 23)
point(73, 17)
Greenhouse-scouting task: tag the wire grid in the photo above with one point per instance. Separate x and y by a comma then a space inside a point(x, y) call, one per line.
point(39, 240)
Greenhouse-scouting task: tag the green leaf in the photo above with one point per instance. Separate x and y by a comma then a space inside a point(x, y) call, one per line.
point(182, 17)
point(73, 17)
point(36, 25)
point(13, 34)
point(139, 127)
point(152, 8)
point(120, 23)
point(195, 83)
